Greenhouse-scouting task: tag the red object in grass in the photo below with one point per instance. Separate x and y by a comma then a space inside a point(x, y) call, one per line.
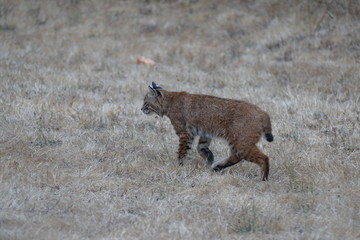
point(146, 61)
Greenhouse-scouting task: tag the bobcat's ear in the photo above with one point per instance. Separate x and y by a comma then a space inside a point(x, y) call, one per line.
point(154, 92)
point(155, 86)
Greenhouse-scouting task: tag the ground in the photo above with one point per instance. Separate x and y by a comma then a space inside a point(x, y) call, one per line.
point(79, 160)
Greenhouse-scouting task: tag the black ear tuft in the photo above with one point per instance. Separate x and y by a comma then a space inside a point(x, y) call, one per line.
point(155, 86)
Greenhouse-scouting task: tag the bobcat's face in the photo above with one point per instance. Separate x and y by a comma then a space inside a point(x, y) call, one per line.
point(152, 103)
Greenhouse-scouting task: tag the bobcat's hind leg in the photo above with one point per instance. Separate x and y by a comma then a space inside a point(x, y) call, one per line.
point(249, 153)
point(221, 164)
point(256, 156)
point(185, 141)
point(204, 151)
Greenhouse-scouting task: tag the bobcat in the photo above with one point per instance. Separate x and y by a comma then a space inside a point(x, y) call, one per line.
point(239, 123)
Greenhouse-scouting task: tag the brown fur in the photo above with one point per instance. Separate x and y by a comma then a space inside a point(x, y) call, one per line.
point(240, 123)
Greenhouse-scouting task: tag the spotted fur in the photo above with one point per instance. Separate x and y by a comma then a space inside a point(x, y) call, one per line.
point(240, 123)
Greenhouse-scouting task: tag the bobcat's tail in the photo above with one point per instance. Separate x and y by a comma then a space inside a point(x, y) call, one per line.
point(267, 128)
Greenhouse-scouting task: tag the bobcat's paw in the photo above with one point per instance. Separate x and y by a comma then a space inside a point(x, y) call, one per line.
point(215, 167)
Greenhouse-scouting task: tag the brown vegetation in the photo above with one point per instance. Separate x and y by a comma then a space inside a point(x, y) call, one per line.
point(79, 160)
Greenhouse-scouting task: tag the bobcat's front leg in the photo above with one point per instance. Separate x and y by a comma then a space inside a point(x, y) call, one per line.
point(185, 141)
point(204, 151)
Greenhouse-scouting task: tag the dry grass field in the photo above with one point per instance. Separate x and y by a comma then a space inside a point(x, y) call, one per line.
point(79, 160)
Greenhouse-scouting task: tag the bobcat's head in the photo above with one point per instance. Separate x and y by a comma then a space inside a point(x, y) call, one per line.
point(153, 101)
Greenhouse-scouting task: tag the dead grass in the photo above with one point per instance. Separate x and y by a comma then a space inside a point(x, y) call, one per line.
point(78, 159)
